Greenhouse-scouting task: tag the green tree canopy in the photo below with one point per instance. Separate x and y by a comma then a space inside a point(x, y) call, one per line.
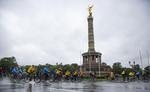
point(8, 62)
point(117, 68)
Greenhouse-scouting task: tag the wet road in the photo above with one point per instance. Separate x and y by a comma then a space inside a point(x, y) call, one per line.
point(85, 86)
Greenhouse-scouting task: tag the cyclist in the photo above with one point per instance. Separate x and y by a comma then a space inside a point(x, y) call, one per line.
point(20, 70)
point(31, 71)
point(46, 71)
point(138, 75)
point(93, 75)
point(80, 75)
point(58, 74)
point(20, 73)
point(53, 74)
point(24, 73)
point(124, 74)
point(1, 72)
point(58, 71)
point(67, 75)
point(131, 76)
point(15, 72)
point(75, 75)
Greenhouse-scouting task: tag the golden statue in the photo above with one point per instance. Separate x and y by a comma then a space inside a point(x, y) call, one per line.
point(90, 10)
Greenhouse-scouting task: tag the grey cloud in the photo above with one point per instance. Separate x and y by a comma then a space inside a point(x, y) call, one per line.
point(48, 31)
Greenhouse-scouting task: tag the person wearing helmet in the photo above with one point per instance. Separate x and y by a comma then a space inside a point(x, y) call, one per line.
point(1, 72)
point(46, 72)
point(124, 74)
point(75, 75)
point(67, 75)
point(15, 72)
point(31, 71)
point(58, 74)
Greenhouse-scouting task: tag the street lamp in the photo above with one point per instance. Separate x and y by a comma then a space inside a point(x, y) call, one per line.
point(132, 65)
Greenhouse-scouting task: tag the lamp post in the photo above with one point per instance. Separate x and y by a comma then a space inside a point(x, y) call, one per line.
point(132, 65)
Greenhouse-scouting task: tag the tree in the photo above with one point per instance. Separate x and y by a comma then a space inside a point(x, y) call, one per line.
point(66, 67)
point(117, 68)
point(147, 70)
point(74, 67)
point(7, 63)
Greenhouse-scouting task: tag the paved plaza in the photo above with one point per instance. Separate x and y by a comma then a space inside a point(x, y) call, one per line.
point(85, 86)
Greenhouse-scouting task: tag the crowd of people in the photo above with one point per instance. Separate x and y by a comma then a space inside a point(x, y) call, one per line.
point(38, 74)
point(129, 75)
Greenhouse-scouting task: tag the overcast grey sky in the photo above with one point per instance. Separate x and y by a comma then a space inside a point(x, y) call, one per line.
point(50, 31)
